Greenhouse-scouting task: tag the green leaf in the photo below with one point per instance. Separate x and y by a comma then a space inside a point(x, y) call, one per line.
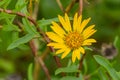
point(118, 73)
point(69, 69)
point(28, 27)
point(21, 6)
point(116, 41)
point(70, 78)
point(20, 41)
point(10, 27)
point(103, 75)
point(4, 3)
point(105, 63)
point(30, 71)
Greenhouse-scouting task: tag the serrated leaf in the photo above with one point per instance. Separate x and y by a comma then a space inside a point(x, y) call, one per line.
point(20, 41)
point(105, 63)
point(30, 71)
point(69, 69)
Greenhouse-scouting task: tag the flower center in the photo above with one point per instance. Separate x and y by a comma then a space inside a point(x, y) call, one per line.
point(74, 40)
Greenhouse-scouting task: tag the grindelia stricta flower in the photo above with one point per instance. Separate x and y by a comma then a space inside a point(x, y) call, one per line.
point(68, 38)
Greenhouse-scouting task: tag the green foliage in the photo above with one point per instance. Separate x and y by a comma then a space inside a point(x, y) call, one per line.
point(16, 31)
point(105, 63)
point(30, 72)
point(20, 41)
point(69, 69)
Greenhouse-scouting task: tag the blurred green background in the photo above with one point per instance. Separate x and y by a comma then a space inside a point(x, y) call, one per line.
point(105, 15)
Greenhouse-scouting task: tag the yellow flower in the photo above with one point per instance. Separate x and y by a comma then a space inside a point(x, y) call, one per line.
point(68, 38)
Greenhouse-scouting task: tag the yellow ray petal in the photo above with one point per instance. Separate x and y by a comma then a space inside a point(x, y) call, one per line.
point(88, 44)
point(75, 22)
point(54, 37)
point(82, 50)
point(65, 53)
point(62, 21)
point(83, 24)
point(79, 23)
point(89, 41)
point(56, 45)
point(78, 53)
point(57, 29)
point(68, 22)
point(88, 34)
point(73, 56)
point(88, 29)
point(60, 51)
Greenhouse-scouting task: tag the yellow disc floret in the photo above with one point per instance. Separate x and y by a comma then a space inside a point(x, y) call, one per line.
point(73, 40)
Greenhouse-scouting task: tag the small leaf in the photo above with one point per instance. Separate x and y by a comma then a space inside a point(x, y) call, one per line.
point(21, 40)
point(105, 63)
point(30, 75)
point(69, 69)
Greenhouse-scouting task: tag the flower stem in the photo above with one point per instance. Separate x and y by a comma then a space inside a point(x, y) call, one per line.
point(70, 6)
point(80, 65)
point(60, 5)
point(80, 7)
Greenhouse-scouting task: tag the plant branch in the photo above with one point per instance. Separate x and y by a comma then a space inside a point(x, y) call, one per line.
point(39, 59)
point(70, 6)
point(60, 5)
point(80, 7)
point(38, 29)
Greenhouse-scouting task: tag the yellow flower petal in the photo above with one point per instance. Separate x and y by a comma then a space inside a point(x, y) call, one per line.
point(65, 53)
point(78, 53)
point(54, 37)
point(63, 22)
point(86, 31)
point(79, 23)
point(60, 51)
point(75, 22)
point(56, 45)
point(68, 21)
point(89, 33)
point(89, 41)
point(74, 56)
point(83, 24)
point(57, 29)
point(82, 50)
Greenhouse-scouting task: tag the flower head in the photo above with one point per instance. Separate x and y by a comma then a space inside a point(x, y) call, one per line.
point(68, 38)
